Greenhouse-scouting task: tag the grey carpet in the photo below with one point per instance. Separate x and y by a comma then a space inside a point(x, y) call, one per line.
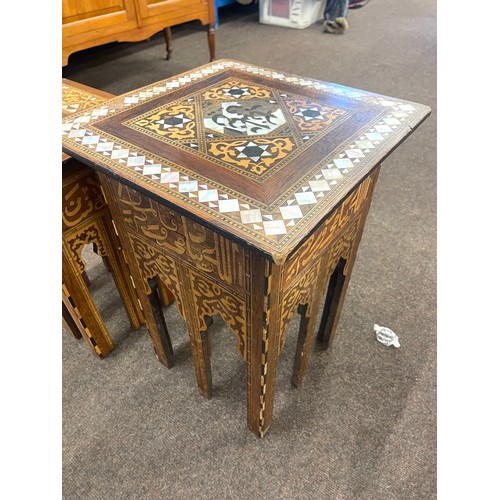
point(362, 426)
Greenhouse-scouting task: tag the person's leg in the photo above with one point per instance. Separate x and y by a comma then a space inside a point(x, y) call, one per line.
point(341, 19)
point(330, 7)
point(337, 22)
point(343, 8)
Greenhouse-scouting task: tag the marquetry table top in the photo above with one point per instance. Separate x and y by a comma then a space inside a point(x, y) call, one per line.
point(77, 97)
point(256, 154)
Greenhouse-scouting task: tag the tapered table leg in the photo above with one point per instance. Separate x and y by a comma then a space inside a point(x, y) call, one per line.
point(161, 325)
point(337, 287)
point(86, 279)
point(166, 295)
point(200, 351)
point(70, 322)
point(198, 336)
point(308, 314)
point(96, 333)
point(263, 343)
point(121, 274)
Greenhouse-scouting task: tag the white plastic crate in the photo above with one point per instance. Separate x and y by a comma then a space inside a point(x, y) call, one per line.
point(291, 13)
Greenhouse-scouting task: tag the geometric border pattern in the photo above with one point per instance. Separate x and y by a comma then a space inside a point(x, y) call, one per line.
point(273, 231)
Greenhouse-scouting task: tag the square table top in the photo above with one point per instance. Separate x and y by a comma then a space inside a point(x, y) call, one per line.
point(258, 155)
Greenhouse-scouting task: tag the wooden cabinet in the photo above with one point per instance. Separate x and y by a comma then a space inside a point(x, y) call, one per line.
point(87, 23)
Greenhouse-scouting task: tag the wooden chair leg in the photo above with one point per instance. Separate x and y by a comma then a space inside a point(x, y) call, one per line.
point(167, 32)
point(211, 41)
point(335, 294)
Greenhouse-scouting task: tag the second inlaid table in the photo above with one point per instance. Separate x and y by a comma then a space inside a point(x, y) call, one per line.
point(245, 191)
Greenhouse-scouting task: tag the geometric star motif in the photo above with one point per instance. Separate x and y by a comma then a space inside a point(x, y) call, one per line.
point(236, 91)
point(313, 113)
point(253, 151)
point(173, 121)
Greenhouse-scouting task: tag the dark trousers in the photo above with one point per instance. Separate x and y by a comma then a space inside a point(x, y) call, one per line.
point(336, 8)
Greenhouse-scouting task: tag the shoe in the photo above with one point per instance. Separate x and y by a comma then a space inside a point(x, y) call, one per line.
point(336, 26)
point(330, 26)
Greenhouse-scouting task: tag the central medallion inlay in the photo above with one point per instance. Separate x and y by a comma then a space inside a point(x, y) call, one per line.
point(246, 117)
point(240, 126)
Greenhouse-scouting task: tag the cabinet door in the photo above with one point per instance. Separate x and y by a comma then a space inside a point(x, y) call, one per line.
point(102, 17)
point(175, 11)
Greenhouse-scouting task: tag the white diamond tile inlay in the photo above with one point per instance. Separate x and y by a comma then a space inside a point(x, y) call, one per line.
point(343, 163)
point(391, 121)
point(364, 144)
point(188, 186)
point(82, 119)
point(105, 146)
point(100, 112)
point(119, 153)
point(291, 212)
point(273, 227)
point(136, 161)
point(77, 133)
point(229, 206)
point(331, 173)
point(374, 136)
point(152, 169)
point(248, 216)
point(208, 195)
point(307, 198)
point(317, 186)
point(169, 177)
point(91, 139)
point(383, 128)
point(355, 153)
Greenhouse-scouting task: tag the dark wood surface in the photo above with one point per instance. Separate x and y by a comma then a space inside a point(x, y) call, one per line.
point(328, 138)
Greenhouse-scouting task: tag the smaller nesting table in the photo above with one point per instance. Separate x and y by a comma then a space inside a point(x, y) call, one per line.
point(86, 219)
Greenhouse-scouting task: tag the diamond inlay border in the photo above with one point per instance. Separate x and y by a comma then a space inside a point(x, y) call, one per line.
point(276, 229)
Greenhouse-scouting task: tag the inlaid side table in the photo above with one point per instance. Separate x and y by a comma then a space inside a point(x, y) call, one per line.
point(245, 190)
point(86, 219)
